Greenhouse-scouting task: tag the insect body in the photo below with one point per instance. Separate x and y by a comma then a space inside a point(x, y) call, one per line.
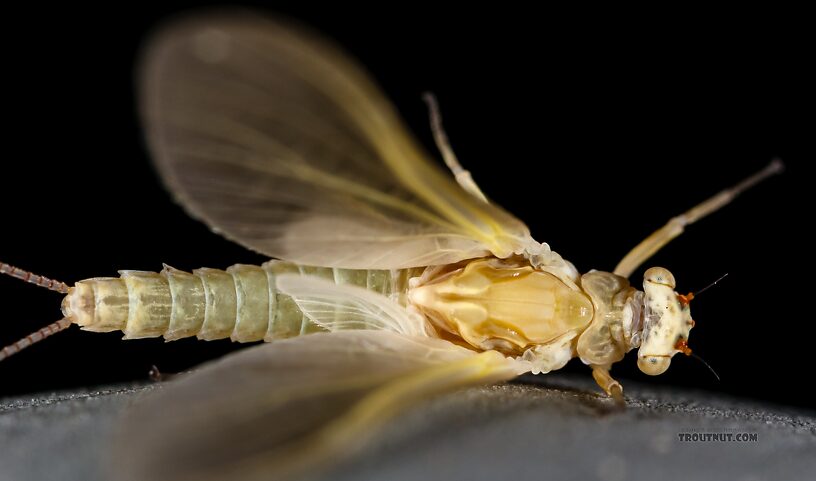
point(406, 283)
point(487, 304)
point(242, 303)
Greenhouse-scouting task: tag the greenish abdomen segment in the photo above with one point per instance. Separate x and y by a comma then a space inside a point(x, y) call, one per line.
point(241, 303)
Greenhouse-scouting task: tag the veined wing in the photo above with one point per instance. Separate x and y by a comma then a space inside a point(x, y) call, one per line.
point(337, 307)
point(277, 410)
point(280, 142)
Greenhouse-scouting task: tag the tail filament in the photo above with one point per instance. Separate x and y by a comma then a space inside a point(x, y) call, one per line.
point(46, 331)
point(34, 338)
point(32, 278)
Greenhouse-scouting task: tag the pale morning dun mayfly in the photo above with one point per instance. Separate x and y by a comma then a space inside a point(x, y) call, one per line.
point(392, 280)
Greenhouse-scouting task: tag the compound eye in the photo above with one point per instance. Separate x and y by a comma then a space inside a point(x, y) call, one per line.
point(660, 275)
point(653, 365)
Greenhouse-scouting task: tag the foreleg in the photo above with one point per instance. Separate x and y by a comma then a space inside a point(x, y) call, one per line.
point(607, 383)
point(646, 249)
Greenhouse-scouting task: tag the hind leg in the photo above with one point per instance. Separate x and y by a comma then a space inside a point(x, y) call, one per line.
point(462, 176)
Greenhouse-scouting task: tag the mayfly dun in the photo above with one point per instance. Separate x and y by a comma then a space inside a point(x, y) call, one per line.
point(392, 279)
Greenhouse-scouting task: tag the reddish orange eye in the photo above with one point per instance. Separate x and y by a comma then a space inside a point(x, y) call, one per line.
point(685, 300)
point(682, 346)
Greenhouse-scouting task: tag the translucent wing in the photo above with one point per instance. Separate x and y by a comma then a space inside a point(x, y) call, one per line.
point(280, 142)
point(275, 410)
point(338, 307)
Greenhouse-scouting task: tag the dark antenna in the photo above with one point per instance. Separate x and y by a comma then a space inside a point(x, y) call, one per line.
point(710, 285)
point(695, 356)
point(46, 331)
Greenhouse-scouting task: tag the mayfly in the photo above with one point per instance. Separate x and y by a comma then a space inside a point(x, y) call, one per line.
point(392, 279)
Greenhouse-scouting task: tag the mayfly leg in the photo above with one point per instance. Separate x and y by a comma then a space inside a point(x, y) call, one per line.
point(462, 176)
point(608, 383)
point(646, 249)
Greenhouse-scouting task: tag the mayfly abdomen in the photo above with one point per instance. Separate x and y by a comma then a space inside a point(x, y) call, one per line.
point(241, 302)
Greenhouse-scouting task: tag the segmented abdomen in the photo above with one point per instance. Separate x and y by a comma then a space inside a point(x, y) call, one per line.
point(241, 303)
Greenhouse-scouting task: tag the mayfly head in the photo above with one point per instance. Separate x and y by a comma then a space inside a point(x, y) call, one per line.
point(666, 322)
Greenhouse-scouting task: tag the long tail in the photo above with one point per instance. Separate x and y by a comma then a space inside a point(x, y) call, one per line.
point(46, 331)
point(32, 278)
point(34, 338)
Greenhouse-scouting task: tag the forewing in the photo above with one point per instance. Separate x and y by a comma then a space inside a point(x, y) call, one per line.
point(278, 141)
point(280, 409)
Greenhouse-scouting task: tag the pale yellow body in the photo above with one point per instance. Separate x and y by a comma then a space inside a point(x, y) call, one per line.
point(496, 304)
point(274, 138)
point(540, 317)
point(241, 303)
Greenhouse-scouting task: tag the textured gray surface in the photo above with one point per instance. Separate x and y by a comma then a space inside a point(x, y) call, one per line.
point(553, 427)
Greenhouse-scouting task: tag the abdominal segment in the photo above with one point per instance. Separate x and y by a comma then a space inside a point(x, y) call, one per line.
point(241, 303)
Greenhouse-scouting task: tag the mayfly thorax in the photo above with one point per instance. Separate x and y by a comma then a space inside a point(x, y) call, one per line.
point(393, 278)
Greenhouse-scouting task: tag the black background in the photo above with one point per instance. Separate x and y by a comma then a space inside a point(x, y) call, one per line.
point(593, 128)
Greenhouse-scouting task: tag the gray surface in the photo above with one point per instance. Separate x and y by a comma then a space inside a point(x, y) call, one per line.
point(554, 427)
